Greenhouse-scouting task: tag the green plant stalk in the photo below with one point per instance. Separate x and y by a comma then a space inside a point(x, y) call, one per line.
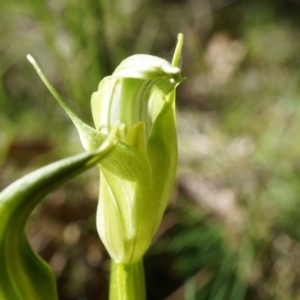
point(127, 281)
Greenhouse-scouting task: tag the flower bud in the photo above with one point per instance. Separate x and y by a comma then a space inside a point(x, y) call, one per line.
point(136, 179)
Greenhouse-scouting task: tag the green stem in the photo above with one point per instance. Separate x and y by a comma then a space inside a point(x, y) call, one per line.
point(127, 281)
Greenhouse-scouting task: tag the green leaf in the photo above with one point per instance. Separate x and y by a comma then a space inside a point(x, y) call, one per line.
point(23, 274)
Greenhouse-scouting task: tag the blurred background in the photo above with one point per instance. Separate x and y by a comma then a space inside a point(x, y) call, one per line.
point(231, 230)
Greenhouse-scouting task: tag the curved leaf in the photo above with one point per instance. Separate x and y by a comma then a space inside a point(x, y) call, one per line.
point(23, 274)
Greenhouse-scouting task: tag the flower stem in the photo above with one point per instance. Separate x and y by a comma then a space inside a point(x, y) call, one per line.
point(127, 281)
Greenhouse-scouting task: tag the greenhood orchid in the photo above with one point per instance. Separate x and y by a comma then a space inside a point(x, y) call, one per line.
point(135, 189)
point(137, 177)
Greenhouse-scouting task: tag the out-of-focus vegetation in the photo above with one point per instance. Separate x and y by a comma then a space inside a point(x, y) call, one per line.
point(232, 228)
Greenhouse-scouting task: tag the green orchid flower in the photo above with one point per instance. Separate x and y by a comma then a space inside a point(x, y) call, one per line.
point(137, 177)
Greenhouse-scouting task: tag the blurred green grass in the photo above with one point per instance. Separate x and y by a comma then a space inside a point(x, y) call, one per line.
point(232, 228)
